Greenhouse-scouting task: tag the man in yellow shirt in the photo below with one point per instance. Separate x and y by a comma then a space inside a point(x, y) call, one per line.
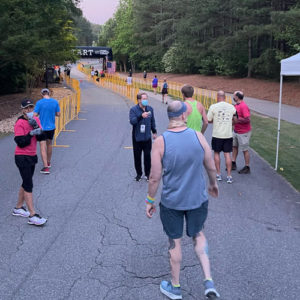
point(221, 115)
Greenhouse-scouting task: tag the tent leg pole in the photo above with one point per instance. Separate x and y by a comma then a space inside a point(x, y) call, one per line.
point(279, 118)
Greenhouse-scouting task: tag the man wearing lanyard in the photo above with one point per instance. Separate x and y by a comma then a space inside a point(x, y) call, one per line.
point(142, 119)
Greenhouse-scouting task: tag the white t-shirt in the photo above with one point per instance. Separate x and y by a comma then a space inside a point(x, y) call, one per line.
point(129, 80)
point(92, 73)
point(221, 114)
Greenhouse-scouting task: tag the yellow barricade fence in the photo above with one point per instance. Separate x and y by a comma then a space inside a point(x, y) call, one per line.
point(117, 82)
point(69, 108)
point(206, 97)
point(113, 82)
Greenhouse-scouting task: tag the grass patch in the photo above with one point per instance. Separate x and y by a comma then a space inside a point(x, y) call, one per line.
point(264, 139)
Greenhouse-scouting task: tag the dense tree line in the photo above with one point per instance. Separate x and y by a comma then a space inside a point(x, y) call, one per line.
point(86, 33)
point(225, 37)
point(35, 33)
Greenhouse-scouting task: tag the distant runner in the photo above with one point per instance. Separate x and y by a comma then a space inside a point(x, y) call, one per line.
point(47, 109)
point(164, 92)
point(155, 84)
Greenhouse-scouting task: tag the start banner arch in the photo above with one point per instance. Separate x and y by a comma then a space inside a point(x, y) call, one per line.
point(94, 52)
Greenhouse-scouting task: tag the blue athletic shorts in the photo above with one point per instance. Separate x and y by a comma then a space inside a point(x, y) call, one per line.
point(172, 220)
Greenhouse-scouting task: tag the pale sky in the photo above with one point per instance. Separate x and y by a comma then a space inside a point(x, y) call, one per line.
point(98, 11)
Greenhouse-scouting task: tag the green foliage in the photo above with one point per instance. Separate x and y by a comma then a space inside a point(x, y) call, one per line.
point(85, 32)
point(267, 64)
point(263, 141)
point(223, 37)
point(34, 33)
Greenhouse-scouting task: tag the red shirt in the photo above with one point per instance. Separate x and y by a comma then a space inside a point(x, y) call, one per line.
point(243, 111)
point(22, 127)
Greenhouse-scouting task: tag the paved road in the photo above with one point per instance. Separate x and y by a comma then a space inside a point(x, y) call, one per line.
point(288, 113)
point(98, 244)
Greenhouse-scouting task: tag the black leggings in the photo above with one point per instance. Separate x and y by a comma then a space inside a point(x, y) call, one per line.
point(26, 166)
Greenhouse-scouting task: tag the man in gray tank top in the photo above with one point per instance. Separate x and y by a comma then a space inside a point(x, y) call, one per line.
point(180, 156)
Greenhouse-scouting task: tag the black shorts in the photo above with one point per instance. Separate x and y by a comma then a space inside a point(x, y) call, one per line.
point(26, 166)
point(219, 145)
point(164, 91)
point(172, 220)
point(46, 135)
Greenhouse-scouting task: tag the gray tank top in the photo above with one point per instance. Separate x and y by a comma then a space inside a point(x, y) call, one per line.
point(184, 185)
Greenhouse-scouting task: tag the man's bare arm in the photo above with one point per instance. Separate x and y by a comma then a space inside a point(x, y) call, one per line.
point(204, 117)
point(209, 166)
point(156, 166)
point(208, 161)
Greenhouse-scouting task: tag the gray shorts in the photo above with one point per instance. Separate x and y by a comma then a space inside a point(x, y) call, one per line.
point(173, 220)
point(241, 140)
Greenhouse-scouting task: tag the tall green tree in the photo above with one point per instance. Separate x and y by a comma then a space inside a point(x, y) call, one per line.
point(226, 37)
point(35, 32)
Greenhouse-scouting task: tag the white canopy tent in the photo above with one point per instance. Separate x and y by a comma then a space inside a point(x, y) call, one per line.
point(289, 67)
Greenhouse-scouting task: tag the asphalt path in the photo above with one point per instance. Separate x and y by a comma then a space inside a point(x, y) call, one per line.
point(98, 243)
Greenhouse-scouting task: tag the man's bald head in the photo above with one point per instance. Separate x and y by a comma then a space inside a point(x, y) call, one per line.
point(220, 96)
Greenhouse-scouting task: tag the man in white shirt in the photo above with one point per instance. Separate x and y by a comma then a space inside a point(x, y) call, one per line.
point(221, 115)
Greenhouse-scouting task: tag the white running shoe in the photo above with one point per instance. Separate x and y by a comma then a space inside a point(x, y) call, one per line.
point(229, 179)
point(36, 220)
point(21, 212)
point(219, 177)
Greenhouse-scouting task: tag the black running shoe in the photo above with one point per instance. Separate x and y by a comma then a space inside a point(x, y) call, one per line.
point(233, 166)
point(245, 170)
point(138, 178)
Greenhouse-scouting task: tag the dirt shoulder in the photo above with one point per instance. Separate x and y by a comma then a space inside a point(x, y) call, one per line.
point(255, 88)
point(10, 104)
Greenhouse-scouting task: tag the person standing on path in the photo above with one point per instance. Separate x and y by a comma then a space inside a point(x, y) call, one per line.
point(180, 156)
point(145, 74)
point(221, 115)
point(242, 132)
point(47, 109)
point(155, 84)
point(129, 84)
point(196, 115)
point(141, 117)
point(164, 92)
point(27, 130)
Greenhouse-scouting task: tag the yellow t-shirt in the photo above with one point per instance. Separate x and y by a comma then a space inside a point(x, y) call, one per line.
point(221, 114)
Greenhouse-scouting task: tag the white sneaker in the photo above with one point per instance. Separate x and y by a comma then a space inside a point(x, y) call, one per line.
point(219, 177)
point(229, 179)
point(36, 220)
point(21, 212)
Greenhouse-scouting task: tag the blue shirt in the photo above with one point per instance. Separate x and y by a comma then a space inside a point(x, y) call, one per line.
point(47, 109)
point(155, 80)
point(136, 120)
point(184, 184)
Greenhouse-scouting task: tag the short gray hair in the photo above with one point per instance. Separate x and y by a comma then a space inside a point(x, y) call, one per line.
point(174, 106)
